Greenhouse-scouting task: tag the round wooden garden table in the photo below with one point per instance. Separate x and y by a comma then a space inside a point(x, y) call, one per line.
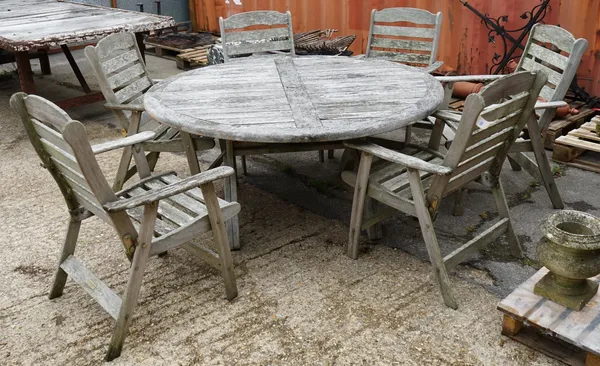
point(300, 101)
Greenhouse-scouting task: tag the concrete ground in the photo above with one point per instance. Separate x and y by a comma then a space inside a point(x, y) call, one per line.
point(301, 300)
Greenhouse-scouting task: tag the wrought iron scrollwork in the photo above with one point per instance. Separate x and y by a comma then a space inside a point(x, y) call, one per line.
point(498, 30)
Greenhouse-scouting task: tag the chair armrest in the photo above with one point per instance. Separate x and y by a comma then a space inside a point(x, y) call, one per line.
point(447, 116)
point(125, 107)
point(433, 67)
point(184, 185)
point(398, 158)
point(454, 79)
point(550, 105)
point(127, 141)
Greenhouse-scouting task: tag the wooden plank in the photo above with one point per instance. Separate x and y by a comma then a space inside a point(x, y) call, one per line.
point(472, 246)
point(413, 58)
point(111, 65)
point(126, 76)
point(303, 110)
point(411, 15)
point(255, 47)
point(103, 295)
point(402, 44)
point(413, 32)
point(579, 328)
point(555, 35)
point(553, 76)
point(133, 90)
point(263, 34)
point(553, 58)
point(250, 18)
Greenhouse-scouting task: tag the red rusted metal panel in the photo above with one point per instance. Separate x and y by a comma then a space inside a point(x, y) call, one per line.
point(464, 43)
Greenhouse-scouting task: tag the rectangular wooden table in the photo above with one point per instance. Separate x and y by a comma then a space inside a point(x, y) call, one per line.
point(31, 27)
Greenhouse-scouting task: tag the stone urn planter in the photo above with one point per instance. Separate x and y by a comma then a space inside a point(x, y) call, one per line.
point(570, 249)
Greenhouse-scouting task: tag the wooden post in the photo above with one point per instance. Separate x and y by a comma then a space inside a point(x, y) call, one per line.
point(139, 37)
point(511, 326)
point(75, 68)
point(113, 3)
point(25, 73)
point(44, 61)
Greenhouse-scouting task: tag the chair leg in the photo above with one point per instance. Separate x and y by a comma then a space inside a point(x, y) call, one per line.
point(244, 167)
point(407, 135)
point(433, 249)
point(60, 277)
point(321, 156)
point(152, 159)
point(121, 176)
point(138, 266)
point(459, 202)
point(514, 164)
point(358, 202)
point(515, 246)
point(374, 232)
point(544, 166)
point(220, 236)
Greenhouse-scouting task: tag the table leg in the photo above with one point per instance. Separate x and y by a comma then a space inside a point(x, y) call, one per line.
point(75, 68)
point(233, 228)
point(44, 61)
point(25, 73)
point(139, 37)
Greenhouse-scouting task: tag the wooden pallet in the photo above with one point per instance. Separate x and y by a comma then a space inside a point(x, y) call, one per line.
point(567, 335)
point(569, 148)
point(561, 127)
point(193, 57)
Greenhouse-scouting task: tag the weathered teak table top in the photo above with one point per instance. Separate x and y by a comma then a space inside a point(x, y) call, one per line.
point(31, 24)
point(28, 28)
point(294, 100)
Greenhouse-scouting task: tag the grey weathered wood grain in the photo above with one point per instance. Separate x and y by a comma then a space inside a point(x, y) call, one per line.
point(237, 41)
point(123, 78)
point(333, 86)
point(31, 24)
point(65, 151)
point(560, 70)
point(103, 295)
point(170, 190)
point(415, 181)
point(426, 26)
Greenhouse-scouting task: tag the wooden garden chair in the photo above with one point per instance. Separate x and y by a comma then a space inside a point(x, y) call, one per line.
point(238, 41)
point(157, 214)
point(123, 78)
point(556, 52)
point(415, 182)
point(414, 43)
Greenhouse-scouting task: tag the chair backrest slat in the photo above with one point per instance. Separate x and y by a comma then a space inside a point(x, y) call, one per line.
point(237, 41)
point(120, 70)
point(490, 124)
point(398, 43)
point(556, 52)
